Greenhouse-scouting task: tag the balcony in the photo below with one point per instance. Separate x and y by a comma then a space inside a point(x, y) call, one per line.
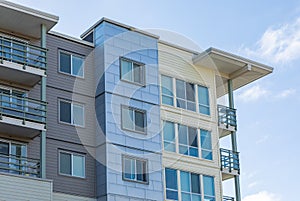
point(230, 163)
point(226, 120)
point(226, 198)
point(21, 117)
point(19, 165)
point(20, 62)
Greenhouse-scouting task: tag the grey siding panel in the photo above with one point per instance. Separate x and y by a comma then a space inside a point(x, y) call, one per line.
point(67, 82)
point(71, 185)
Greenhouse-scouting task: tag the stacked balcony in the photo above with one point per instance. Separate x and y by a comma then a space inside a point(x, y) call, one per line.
point(226, 120)
point(226, 198)
point(230, 163)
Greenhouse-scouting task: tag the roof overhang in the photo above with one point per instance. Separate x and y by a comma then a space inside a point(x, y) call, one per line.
point(240, 70)
point(25, 21)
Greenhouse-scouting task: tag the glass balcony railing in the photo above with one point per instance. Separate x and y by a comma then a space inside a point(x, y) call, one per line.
point(22, 53)
point(19, 165)
point(230, 160)
point(22, 108)
point(226, 198)
point(227, 117)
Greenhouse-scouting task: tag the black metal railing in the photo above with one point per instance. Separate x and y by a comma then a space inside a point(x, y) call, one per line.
point(227, 116)
point(26, 109)
point(22, 53)
point(19, 165)
point(230, 160)
point(227, 198)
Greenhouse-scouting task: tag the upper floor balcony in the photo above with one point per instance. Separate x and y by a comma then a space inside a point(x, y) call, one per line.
point(227, 198)
point(21, 116)
point(230, 163)
point(20, 62)
point(226, 120)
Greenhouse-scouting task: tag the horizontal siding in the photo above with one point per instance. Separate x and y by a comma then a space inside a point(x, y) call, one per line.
point(66, 82)
point(21, 188)
point(66, 197)
point(84, 187)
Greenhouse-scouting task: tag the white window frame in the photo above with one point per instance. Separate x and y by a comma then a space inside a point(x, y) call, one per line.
point(135, 163)
point(72, 165)
point(179, 191)
point(72, 55)
point(142, 75)
point(134, 109)
point(176, 134)
point(72, 112)
point(175, 95)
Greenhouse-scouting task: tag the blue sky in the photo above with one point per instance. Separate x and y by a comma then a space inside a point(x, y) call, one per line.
point(266, 31)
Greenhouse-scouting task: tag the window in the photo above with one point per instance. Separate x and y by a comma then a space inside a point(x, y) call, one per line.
point(133, 119)
point(206, 147)
point(71, 64)
point(171, 184)
point(188, 140)
point(209, 188)
point(169, 136)
point(135, 169)
point(185, 93)
point(190, 186)
point(71, 113)
point(203, 99)
point(167, 90)
point(71, 164)
point(132, 71)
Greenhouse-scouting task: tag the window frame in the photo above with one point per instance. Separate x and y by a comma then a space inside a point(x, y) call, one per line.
point(134, 109)
point(179, 184)
point(72, 113)
point(175, 97)
point(177, 144)
point(140, 64)
point(72, 165)
point(71, 55)
point(124, 157)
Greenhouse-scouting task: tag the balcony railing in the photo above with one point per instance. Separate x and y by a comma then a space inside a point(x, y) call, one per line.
point(22, 108)
point(230, 160)
point(226, 198)
point(19, 165)
point(22, 53)
point(227, 116)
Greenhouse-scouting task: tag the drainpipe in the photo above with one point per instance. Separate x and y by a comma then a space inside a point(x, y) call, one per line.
point(234, 142)
point(43, 98)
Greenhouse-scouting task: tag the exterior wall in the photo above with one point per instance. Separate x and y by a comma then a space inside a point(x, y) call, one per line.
point(67, 197)
point(66, 137)
point(115, 42)
point(14, 187)
point(177, 63)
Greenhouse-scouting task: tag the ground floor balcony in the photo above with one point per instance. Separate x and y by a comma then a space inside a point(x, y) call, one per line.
point(226, 120)
point(230, 163)
point(21, 116)
point(20, 62)
point(19, 165)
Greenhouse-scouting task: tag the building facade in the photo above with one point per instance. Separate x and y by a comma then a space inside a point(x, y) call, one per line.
point(116, 115)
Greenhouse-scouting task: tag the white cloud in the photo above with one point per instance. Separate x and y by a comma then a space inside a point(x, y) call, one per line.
point(263, 139)
point(286, 93)
point(262, 196)
point(252, 94)
point(278, 44)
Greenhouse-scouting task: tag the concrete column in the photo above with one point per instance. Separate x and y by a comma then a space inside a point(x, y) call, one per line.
point(43, 98)
point(234, 143)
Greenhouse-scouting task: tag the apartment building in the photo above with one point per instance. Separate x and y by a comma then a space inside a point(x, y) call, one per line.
point(115, 115)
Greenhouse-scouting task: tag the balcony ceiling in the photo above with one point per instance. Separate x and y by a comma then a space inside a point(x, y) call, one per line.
point(22, 20)
point(240, 70)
